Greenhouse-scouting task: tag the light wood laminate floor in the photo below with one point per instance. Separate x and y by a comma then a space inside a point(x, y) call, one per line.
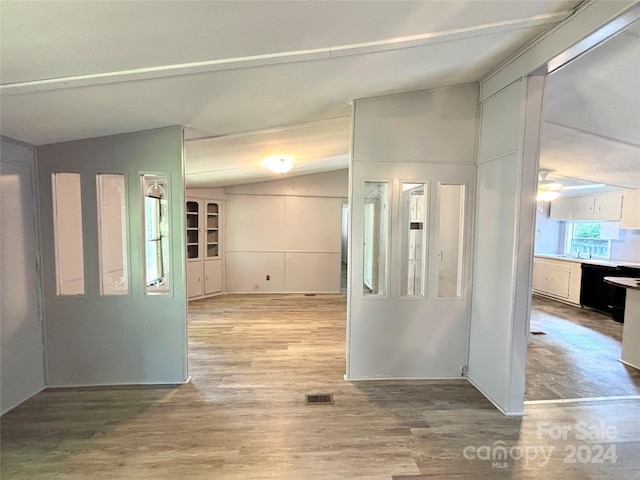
point(243, 416)
point(577, 354)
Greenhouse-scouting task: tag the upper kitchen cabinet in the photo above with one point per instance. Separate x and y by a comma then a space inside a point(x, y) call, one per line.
point(572, 208)
point(630, 210)
point(590, 207)
point(608, 206)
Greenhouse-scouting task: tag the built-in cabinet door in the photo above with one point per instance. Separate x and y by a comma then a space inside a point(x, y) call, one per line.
point(588, 207)
point(212, 276)
point(572, 208)
point(631, 210)
point(204, 246)
point(194, 279)
point(558, 277)
point(194, 229)
point(538, 280)
point(608, 207)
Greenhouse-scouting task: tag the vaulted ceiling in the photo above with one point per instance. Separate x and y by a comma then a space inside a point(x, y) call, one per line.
point(247, 79)
point(591, 129)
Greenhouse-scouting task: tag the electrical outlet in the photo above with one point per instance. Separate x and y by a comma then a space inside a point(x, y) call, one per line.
point(268, 277)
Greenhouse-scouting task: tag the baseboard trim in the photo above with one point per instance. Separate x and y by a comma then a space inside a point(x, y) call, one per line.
point(488, 397)
point(404, 379)
point(582, 400)
point(118, 385)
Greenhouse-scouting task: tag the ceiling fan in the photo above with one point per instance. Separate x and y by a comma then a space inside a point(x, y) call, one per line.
point(549, 189)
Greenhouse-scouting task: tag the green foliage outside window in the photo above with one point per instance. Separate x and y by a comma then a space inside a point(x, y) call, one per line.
point(587, 230)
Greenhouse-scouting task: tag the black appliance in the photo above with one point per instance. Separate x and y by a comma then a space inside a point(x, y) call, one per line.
point(597, 294)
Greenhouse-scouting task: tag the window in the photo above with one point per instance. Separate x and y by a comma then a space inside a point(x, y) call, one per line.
point(67, 233)
point(590, 239)
point(375, 238)
point(413, 241)
point(451, 222)
point(156, 233)
point(153, 240)
point(112, 234)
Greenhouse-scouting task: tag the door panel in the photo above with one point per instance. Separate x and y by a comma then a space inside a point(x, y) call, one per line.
point(194, 279)
point(212, 276)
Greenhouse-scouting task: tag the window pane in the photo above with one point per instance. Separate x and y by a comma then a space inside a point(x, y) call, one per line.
point(375, 243)
point(450, 240)
point(156, 233)
point(112, 238)
point(413, 240)
point(67, 233)
point(590, 239)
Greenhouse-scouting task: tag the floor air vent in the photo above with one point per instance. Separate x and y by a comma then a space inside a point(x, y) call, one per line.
point(319, 399)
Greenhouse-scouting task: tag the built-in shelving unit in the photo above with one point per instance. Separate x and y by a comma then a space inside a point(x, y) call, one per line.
point(193, 229)
point(212, 230)
point(204, 247)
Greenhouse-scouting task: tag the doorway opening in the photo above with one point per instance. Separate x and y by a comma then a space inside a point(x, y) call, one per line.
point(584, 122)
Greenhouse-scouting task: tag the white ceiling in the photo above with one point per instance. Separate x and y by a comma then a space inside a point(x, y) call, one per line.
point(249, 79)
point(591, 129)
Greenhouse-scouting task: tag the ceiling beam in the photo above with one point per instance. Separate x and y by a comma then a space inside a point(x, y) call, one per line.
point(278, 58)
point(592, 23)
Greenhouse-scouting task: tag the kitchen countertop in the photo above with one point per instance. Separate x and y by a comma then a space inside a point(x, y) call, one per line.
point(591, 261)
point(626, 282)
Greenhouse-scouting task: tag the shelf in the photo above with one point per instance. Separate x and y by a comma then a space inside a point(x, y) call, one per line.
point(203, 230)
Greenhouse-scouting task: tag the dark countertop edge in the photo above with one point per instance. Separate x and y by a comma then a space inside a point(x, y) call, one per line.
point(626, 282)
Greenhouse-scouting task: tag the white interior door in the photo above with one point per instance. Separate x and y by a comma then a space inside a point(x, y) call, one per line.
point(413, 245)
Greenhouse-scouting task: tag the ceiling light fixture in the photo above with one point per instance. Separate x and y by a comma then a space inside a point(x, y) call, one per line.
point(547, 195)
point(279, 164)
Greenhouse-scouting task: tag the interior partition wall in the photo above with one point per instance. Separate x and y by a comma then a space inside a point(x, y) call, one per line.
point(116, 313)
point(511, 104)
point(412, 190)
point(21, 350)
point(505, 212)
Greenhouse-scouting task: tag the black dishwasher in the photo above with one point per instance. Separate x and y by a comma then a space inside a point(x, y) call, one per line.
point(597, 294)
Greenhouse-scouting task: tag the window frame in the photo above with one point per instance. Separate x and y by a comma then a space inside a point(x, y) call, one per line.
point(569, 238)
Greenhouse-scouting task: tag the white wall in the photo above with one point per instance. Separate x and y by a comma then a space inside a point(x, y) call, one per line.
point(22, 349)
point(505, 209)
point(418, 127)
point(289, 230)
point(627, 247)
point(549, 233)
point(123, 339)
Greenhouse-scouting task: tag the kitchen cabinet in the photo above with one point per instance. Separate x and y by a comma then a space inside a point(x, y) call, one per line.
point(604, 207)
point(572, 208)
point(204, 247)
point(630, 210)
point(557, 279)
point(607, 207)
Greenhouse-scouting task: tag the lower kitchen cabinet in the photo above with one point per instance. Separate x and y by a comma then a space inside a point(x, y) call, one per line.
point(557, 279)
